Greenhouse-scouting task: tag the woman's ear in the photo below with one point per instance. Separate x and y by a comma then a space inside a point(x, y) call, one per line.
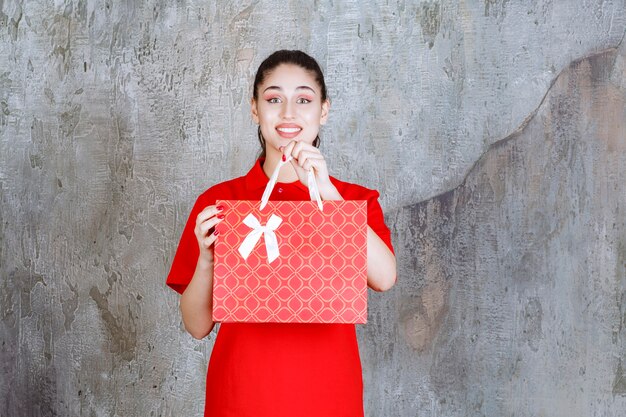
point(325, 110)
point(254, 110)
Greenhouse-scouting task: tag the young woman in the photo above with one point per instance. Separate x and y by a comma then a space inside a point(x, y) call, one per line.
point(278, 369)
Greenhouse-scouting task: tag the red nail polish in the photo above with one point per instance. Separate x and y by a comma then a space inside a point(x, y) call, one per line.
point(216, 232)
point(219, 208)
point(284, 158)
point(220, 216)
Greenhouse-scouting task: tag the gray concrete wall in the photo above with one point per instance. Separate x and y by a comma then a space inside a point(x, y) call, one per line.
point(495, 131)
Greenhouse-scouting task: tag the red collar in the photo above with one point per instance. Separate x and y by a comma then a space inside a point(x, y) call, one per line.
point(256, 179)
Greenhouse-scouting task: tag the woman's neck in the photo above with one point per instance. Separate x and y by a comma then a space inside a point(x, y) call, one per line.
point(287, 172)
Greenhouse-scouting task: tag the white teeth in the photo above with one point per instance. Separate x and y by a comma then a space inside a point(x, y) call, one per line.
point(289, 129)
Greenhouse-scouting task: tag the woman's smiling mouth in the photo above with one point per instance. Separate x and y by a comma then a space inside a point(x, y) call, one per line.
point(288, 130)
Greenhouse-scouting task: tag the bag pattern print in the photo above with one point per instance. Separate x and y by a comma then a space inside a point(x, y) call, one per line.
point(319, 276)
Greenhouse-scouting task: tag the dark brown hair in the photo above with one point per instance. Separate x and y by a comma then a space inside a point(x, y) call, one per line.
point(295, 57)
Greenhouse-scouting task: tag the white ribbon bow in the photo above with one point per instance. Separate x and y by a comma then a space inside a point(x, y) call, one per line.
point(271, 244)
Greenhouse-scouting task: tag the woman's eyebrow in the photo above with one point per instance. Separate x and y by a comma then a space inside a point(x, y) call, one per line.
point(302, 87)
point(306, 87)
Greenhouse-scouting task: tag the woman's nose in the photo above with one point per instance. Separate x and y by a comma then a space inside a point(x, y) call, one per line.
point(288, 110)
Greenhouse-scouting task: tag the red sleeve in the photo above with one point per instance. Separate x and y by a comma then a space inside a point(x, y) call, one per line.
point(376, 220)
point(186, 257)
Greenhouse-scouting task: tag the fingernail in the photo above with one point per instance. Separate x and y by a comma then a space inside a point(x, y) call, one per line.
point(284, 158)
point(219, 208)
point(216, 232)
point(220, 216)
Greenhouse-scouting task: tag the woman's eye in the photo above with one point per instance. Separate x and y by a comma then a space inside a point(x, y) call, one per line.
point(273, 100)
point(303, 100)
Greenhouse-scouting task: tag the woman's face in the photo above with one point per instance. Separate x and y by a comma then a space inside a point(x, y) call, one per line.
point(289, 107)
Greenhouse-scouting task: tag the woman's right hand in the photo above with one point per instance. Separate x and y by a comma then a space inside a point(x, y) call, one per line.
point(196, 304)
point(206, 231)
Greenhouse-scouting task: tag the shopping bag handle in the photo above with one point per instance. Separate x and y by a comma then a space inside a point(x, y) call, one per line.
point(313, 190)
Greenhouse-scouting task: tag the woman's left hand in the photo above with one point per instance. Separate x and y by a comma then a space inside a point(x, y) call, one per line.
point(307, 157)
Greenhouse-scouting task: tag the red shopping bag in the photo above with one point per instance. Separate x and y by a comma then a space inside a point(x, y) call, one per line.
point(291, 261)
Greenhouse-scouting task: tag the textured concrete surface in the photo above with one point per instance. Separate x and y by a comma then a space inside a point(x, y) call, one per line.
point(497, 133)
point(513, 292)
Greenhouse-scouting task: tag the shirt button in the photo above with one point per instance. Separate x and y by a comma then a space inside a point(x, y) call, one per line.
point(280, 190)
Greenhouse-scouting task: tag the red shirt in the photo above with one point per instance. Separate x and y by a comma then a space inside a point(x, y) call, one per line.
point(278, 369)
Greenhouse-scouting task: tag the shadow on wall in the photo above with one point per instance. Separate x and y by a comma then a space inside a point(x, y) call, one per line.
point(512, 287)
